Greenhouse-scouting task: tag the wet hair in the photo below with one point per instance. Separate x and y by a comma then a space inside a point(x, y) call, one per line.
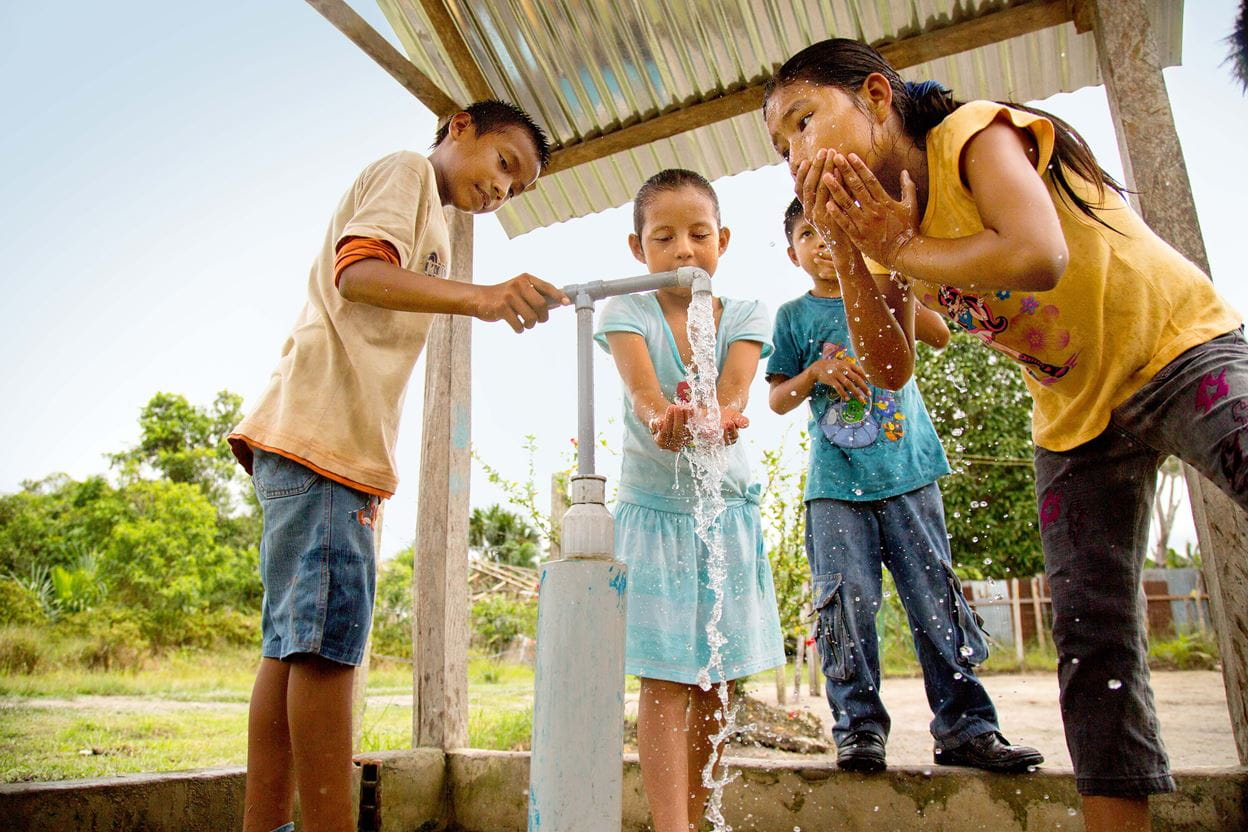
point(493, 116)
point(845, 63)
point(792, 216)
point(671, 179)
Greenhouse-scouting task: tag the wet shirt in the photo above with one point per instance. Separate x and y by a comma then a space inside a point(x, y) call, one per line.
point(649, 475)
point(333, 402)
point(858, 451)
point(1127, 305)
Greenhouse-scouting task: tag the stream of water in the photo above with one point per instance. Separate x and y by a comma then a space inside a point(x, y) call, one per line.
point(707, 461)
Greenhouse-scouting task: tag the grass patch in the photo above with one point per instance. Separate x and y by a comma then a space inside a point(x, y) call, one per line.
point(500, 730)
point(188, 675)
point(56, 744)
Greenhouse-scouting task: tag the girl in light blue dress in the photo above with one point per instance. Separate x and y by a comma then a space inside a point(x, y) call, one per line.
point(676, 223)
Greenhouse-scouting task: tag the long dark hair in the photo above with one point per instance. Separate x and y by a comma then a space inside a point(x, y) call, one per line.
point(844, 63)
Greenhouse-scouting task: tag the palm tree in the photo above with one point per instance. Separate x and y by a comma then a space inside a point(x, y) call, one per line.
point(500, 535)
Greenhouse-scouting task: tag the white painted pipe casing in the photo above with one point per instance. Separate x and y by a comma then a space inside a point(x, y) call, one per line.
point(588, 528)
point(576, 773)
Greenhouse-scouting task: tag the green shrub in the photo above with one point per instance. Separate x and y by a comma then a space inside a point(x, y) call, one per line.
point(22, 649)
point(18, 605)
point(208, 629)
point(497, 619)
point(392, 607)
point(110, 638)
point(1187, 651)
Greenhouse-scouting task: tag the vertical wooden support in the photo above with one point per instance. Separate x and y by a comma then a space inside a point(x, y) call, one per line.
point(1037, 610)
point(812, 662)
point(782, 687)
point(558, 507)
point(797, 669)
point(1153, 163)
point(440, 573)
point(1016, 619)
point(359, 686)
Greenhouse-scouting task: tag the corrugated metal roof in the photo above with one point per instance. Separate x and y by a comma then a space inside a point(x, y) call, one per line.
point(585, 67)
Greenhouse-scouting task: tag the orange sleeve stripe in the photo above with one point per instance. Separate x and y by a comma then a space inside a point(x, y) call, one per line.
point(236, 439)
point(354, 249)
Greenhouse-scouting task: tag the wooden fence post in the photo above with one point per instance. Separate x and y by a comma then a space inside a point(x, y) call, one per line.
point(1016, 610)
point(558, 508)
point(1037, 610)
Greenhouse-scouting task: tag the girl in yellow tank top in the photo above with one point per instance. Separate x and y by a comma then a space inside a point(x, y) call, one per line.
point(999, 216)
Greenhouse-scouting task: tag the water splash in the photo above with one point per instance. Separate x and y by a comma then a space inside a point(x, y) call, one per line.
point(708, 458)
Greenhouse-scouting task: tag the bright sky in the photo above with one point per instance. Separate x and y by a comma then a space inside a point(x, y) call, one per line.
point(168, 171)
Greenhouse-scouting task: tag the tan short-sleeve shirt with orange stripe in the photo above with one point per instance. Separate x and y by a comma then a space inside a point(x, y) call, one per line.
point(333, 402)
point(1127, 305)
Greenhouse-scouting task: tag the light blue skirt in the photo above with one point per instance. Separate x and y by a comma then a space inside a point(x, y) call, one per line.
point(670, 598)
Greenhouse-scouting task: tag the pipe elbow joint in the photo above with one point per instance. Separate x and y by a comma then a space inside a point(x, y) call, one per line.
point(695, 278)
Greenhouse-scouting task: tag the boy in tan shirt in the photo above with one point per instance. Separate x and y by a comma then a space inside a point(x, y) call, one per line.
point(319, 444)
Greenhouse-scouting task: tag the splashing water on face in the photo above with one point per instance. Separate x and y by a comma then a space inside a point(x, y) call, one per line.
point(708, 458)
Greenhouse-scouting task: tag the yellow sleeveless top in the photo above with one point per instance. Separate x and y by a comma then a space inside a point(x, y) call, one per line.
point(1127, 305)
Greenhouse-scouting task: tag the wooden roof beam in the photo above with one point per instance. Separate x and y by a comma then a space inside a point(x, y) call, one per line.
point(456, 48)
point(1007, 23)
point(347, 21)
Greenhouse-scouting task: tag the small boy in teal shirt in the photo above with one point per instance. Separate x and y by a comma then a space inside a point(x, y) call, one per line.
point(871, 501)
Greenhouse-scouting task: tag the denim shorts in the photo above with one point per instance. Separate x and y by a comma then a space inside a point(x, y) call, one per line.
point(1095, 502)
point(316, 562)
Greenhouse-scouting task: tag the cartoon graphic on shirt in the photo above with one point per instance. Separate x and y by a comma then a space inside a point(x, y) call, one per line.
point(855, 424)
point(1036, 325)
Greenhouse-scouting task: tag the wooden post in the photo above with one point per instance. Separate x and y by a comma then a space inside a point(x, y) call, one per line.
point(1037, 610)
point(558, 508)
point(440, 573)
point(359, 685)
point(1016, 609)
point(797, 669)
point(1153, 163)
point(812, 662)
point(782, 687)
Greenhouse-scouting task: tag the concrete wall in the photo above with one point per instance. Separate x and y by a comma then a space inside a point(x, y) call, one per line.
point(413, 797)
point(487, 791)
point(489, 794)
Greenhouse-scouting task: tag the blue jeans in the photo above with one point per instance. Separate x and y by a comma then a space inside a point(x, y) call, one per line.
point(846, 543)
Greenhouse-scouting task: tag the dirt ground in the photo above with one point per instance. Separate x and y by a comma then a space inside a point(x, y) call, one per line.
point(1191, 705)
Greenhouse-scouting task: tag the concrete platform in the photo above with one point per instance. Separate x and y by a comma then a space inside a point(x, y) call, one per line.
point(486, 791)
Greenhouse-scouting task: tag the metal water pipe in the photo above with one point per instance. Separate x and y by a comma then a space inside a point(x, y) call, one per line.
point(576, 773)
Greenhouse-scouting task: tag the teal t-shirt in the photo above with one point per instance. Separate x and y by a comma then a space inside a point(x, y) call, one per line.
point(870, 451)
point(650, 476)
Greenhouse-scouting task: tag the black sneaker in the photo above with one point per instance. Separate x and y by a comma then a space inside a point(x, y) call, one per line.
point(861, 751)
point(991, 752)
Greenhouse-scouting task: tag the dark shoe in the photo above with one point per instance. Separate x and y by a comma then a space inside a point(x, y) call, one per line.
point(861, 751)
point(991, 752)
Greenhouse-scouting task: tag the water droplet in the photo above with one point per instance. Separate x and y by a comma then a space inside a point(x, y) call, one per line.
point(1114, 684)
